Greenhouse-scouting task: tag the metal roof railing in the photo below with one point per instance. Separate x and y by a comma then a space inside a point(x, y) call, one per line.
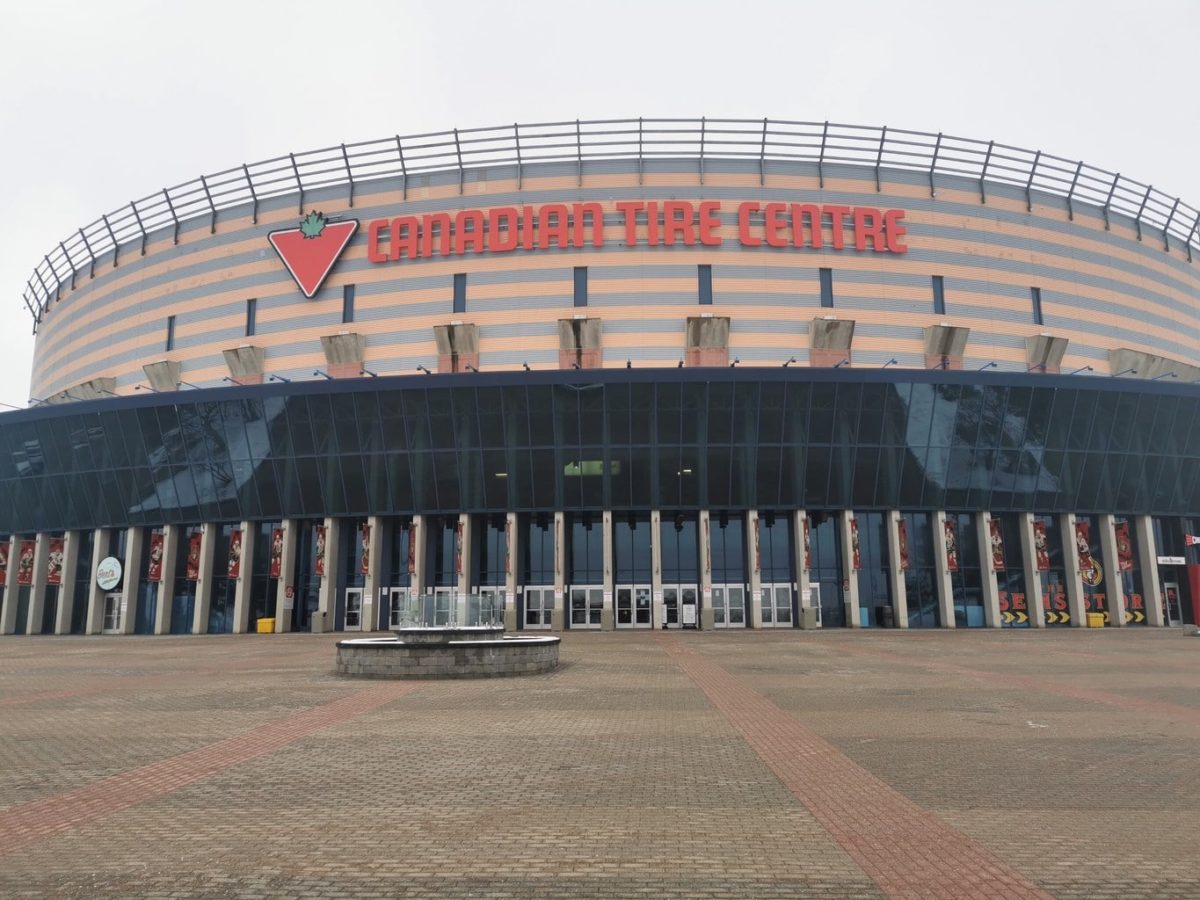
point(760, 141)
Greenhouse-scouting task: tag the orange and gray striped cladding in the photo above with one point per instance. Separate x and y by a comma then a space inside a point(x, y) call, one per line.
point(1100, 289)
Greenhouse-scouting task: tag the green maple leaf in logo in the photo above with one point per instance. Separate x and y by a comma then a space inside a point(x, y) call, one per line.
point(312, 225)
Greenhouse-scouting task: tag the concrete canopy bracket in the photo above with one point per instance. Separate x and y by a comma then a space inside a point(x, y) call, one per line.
point(245, 363)
point(1044, 352)
point(163, 375)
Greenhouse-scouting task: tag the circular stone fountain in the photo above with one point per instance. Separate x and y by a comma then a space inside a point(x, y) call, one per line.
point(447, 651)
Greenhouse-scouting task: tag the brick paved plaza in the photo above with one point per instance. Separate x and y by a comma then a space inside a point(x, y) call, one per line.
point(927, 764)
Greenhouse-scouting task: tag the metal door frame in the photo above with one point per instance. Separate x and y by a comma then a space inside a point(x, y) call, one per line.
point(590, 592)
point(774, 587)
point(1167, 620)
point(679, 589)
point(394, 620)
point(545, 612)
point(722, 590)
point(346, 626)
point(633, 607)
point(115, 597)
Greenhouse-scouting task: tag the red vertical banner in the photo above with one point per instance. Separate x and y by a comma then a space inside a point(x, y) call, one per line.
point(154, 566)
point(1083, 548)
point(4, 561)
point(458, 547)
point(707, 546)
point(234, 566)
point(902, 534)
point(951, 533)
point(1124, 547)
point(757, 544)
point(193, 557)
point(1041, 545)
point(855, 549)
point(364, 559)
point(319, 555)
point(508, 545)
point(997, 539)
point(54, 561)
point(25, 563)
point(807, 546)
point(276, 552)
point(412, 550)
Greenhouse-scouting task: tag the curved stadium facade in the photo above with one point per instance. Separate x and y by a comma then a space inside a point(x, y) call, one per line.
point(621, 374)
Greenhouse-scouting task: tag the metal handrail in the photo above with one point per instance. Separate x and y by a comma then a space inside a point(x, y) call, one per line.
point(579, 142)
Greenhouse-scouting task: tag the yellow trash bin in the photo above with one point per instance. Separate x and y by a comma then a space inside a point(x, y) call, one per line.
point(266, 626)
point(1095, 620)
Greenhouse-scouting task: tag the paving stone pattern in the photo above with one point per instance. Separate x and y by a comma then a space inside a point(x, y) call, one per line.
point(785, 764)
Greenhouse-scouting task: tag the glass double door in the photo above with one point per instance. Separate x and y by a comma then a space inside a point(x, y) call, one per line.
point(539, 607)
point(397, 607)
point(634, 606)
point(776, 605)
point(680, 606)
point(729, 605)
point(112, 614)
point(485, 606)
point(587, 606)
point(354, 609)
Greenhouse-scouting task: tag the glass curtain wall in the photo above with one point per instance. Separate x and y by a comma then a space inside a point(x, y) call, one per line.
point(920, 578)
point(826, 573)
point(1052, 570)
point(874, 586)
point(1015, 599)
point(967, 582)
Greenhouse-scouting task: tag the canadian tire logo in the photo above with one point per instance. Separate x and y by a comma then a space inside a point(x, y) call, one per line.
point(310, 251)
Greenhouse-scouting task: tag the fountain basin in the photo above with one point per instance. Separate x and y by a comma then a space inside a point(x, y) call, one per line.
point(414, 653)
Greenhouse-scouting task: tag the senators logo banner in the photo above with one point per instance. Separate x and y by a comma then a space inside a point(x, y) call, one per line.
point(757, 545)
point(1124, 548)
point(54, 562)
point(997, 545)
point(412, 551)
point(1089, 569)
point(3, 562)
point(193, 558)
point(25, 563)
point(807, 546)
point(276, 552)
point(364, 561)
point(319, 563)
point(154, 566)
point(902, 534)
point(458, 547)
point(235, 553)
point(1041, 545)
point(855, 549)
point(951, 533)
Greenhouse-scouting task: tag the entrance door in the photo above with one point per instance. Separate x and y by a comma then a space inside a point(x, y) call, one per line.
point(539, 607)
point(354, 609)
point(443, 605)
point(1172, 609)
point(112, 614)
point(587, 605)
point(634, 609)
point(729, 605)
point(776, 605)
point(486, 606)
point(675, 598)
point(397, 606)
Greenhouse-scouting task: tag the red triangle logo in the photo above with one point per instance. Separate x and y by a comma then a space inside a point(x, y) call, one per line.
point(310, 251)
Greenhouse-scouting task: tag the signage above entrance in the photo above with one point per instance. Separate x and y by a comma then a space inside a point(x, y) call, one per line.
point(108, 573)
point(667, 223)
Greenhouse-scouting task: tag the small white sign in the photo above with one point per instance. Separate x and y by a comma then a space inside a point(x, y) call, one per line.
point(806, 597)
point(1172, 561)
point(608, 598)
point(512, 598)
point(289, 601)
point(108, 573)
point(689, 614)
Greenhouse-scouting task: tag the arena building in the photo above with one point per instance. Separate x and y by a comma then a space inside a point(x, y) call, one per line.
point(619, 374)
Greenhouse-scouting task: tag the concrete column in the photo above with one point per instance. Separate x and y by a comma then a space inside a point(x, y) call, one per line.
point(704, 523)
point(8, 615)
point(1114, 592)
point(245, 581)
point(849, 575)
point(373, 607)
point(287, 570)
point(418, 537)
point(991, 586)
point(204, 584)
point(95, 596)
point(803, 577)
point(945, 590)
point(166, 587)
point(37, 591)
point(896, 582)
point(1033, 575)
point(656, 586)
point(607, 618)
point(66, 593)
point(131, 565)
point(511, 559)
point(1066, 524)
point(752, 560)
point(327, 593)
point(560, 571)
point(1143, 527)
point(465, 575)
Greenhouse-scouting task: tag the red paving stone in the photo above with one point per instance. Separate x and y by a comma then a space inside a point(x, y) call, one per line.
point(28, 823)
point(906, 850)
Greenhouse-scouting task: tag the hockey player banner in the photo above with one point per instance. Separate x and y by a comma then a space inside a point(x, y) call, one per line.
point(154, 567)
point(193, 557)
point(997, 536)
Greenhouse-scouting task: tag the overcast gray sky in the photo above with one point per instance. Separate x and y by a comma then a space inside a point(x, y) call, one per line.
point(101, 102)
